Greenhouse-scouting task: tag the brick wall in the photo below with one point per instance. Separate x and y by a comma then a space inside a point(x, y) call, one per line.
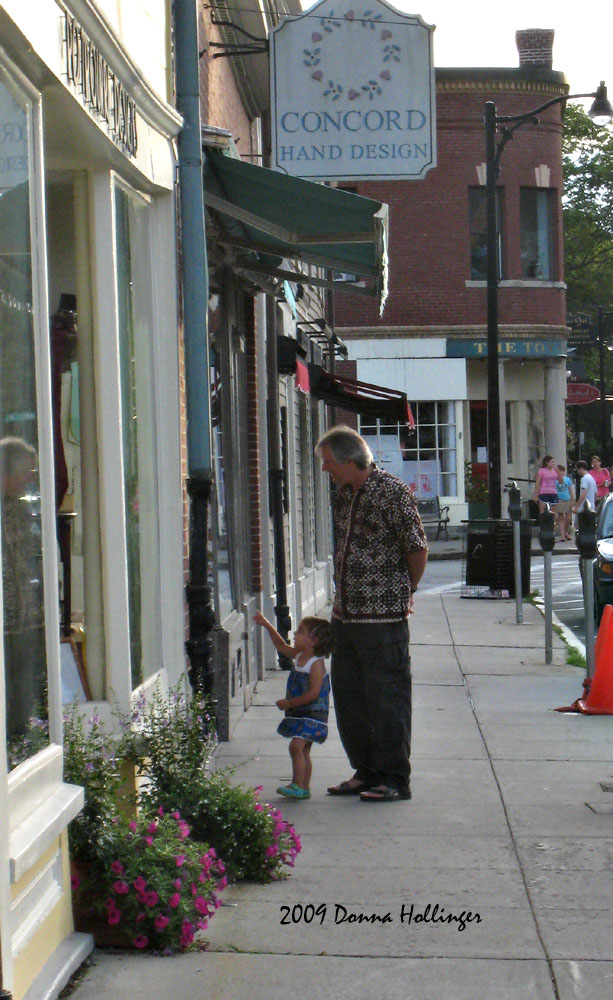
point(535, 47)
point(220, 100)
point(429, 233)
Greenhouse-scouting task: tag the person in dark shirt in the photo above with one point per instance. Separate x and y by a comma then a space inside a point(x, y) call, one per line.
point(380, 556)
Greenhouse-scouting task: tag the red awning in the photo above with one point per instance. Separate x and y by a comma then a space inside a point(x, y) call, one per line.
point(360, 397)
point(302, 376)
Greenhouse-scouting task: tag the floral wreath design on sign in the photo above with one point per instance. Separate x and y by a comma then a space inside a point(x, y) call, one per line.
point(390, 53)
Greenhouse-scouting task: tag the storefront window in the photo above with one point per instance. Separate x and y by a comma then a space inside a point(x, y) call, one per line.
point(25, 666)
point(138, 431)
point(221, 546)
point(425, 458)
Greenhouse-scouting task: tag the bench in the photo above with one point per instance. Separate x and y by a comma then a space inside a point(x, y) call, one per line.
point(431, 512)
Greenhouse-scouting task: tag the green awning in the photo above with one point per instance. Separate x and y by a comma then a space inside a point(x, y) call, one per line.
point(277, 223)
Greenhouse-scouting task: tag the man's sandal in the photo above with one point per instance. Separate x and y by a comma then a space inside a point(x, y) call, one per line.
point(384, 793)
point(346, 788)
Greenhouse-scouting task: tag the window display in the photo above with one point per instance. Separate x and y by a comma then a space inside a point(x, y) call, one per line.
point(21, 537)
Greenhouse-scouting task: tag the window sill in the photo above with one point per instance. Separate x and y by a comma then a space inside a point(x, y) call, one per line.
point(40, 807)
point(517, 283)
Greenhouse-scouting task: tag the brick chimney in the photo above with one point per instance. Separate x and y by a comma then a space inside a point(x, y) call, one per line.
point(535, 47)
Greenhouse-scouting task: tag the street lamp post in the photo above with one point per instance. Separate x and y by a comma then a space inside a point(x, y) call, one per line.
point(600, 112)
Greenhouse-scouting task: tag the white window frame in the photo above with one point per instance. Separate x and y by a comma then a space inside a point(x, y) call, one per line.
point(35, 804)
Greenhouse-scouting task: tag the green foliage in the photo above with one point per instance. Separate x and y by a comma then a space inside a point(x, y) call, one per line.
point(171, 741)
point(91, 759)
point(475, 488)
point(253, 838)
point(588, 211)
point(36, 736)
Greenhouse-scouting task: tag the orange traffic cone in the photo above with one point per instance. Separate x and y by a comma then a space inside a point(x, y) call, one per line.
point(599, 700)
point(598, 690)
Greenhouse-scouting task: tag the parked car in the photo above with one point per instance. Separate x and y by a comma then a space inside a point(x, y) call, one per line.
point(603, 563)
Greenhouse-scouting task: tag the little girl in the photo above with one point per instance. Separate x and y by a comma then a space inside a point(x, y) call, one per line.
point(307, 696)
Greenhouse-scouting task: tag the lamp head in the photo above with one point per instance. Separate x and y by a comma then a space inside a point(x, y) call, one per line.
point(601, 111)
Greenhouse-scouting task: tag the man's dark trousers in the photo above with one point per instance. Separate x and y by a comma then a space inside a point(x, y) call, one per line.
point(371, 683)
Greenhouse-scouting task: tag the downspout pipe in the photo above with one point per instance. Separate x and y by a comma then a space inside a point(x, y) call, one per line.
point(195, 290)
point(282, 613)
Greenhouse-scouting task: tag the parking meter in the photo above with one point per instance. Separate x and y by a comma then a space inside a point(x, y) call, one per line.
point(547, 539)
point(514, 502)
point(586, 533)
point(515, 515)
point(546, 530)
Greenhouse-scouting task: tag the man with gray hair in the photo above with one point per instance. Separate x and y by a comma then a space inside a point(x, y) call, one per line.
point(380, 556)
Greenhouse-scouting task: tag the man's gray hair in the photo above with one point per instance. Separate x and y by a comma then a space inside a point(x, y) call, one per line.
point(13, 451)
point(346, 445)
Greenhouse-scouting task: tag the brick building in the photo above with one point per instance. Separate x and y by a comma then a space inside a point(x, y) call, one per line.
point(431, 339)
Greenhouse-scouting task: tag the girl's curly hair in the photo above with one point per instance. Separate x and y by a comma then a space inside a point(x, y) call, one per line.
point(322, 633)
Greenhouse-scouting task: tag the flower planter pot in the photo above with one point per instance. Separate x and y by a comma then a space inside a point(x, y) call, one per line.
point(85, 915)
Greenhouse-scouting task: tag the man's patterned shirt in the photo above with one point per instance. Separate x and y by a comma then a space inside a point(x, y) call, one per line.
point(376, 528)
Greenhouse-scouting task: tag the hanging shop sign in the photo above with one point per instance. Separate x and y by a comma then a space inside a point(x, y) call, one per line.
point(507, 348)
point(578, 393)
point(353, 93)
point(98, 87)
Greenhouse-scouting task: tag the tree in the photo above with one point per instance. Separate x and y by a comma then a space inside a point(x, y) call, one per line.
point(588, 212)
point(588, 236)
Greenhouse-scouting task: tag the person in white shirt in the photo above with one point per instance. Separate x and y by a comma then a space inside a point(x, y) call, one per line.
point(588, 489)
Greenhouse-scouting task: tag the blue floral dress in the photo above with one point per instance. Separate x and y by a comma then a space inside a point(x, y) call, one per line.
point(310, 722)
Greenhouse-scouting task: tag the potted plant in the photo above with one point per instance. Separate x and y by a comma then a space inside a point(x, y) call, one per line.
point(150, 887)
point(476, 493)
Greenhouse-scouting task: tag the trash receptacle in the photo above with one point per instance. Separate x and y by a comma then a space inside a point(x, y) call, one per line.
point(490, 563)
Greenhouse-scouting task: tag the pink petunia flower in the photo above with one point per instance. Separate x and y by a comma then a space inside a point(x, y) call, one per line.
point(161, 921)
point(178, 884)
point(132, 826)
point(174, 900)
point(114, 917)
point(151, 898)
point(179, 859)
point(121, 888)
point(139, 883)
point(117, 868)
point(141, 941)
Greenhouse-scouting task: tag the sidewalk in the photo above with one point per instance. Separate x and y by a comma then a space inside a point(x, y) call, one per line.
point(508, 823)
